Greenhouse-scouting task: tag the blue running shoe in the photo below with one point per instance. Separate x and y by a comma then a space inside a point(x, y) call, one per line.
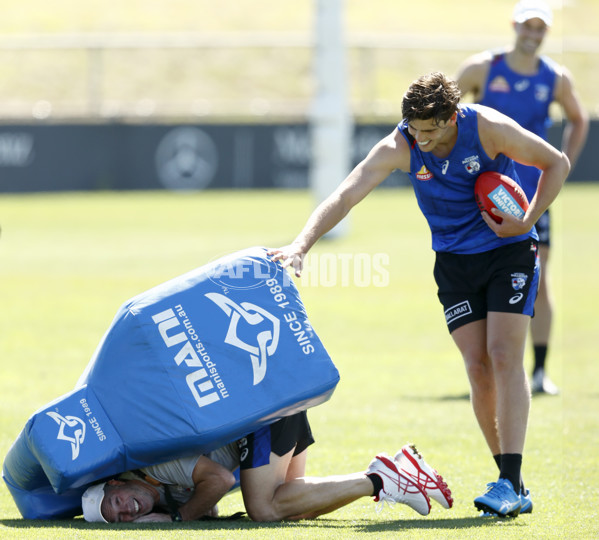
point(488, 515)
point(500, 499)
point(526, 502)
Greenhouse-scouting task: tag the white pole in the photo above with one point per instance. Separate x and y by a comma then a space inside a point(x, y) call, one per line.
point(330, 119)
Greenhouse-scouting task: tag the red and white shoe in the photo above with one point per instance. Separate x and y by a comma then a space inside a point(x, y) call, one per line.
point(412, 464)
point(397, 487)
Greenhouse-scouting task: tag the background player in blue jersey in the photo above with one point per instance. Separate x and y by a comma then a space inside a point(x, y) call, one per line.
point(522, 84)
point(486, 272)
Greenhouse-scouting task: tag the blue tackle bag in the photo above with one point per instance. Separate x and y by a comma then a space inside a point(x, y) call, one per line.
point(185, 367)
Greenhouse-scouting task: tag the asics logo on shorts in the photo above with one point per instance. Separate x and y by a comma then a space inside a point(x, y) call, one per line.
point(516, 298)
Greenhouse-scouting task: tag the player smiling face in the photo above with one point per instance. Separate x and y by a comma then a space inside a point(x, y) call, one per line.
point(127, 501)
point(530, 35)
point(431, 135)
point(430, 107)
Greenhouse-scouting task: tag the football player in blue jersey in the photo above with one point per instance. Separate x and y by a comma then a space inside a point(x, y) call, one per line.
point(522, 84)
point(486, 272)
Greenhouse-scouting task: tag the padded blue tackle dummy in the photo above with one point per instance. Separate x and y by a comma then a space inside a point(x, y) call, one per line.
point(185, 367)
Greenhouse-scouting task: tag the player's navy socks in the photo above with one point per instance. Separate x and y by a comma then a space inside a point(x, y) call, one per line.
point(497, 458)
point(377, 483)
point(540, 355)
point(511, 464)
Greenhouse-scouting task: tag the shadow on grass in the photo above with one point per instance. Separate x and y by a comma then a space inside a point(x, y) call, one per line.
point(246, 524)
point(466, 397)
point(457, 397)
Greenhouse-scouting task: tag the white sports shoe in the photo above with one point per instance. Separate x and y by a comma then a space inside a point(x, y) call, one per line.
point(412, 464)
point(397, 487)
point(541, 384)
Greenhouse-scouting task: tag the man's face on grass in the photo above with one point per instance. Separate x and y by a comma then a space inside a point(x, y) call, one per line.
point(128, 500)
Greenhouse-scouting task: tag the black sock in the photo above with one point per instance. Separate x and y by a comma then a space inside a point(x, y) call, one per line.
point(511, 464)
point(377, 483)
point(540, 355)
point(497, 458)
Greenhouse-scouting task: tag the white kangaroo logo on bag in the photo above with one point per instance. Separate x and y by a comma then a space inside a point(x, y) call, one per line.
point(252, 314)
point(77, 427)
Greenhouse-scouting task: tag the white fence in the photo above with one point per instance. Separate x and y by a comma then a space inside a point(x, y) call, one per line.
point(136, 76)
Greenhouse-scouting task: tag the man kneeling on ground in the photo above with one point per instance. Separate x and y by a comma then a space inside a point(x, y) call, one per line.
point(272, 463)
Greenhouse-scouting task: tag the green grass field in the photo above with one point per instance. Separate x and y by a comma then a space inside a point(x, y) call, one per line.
point(67, 262)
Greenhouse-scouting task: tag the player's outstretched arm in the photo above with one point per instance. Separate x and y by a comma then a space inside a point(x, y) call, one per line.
point(386, 156)
point(290, 256)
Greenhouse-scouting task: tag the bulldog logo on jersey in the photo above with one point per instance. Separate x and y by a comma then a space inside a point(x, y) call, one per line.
point(424, 174)
point(472, 164)
point(542, 92)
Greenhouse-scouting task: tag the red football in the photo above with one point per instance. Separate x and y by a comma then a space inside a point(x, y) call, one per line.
point(495, 190)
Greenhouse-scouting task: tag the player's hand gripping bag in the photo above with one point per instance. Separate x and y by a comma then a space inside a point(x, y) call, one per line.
point(185, 367)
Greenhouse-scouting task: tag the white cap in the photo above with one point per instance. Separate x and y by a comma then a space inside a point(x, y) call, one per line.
point(531, 9)
point(91, 501)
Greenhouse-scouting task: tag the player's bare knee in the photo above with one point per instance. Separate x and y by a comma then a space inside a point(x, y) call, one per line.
point(228, 478)
point(502, 359)
point(263, 513)
point(473, 354)
point(479, 369)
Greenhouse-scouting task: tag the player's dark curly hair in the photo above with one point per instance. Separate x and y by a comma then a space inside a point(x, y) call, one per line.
point(433, 96)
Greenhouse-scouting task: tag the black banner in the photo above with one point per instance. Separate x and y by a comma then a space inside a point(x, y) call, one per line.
point(75, 157)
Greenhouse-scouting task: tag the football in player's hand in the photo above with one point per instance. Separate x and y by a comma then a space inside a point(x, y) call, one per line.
point(496, 190)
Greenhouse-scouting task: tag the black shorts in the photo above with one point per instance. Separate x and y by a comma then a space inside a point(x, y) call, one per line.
point(504, 279)
point(543, 226)
point(279, 437)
